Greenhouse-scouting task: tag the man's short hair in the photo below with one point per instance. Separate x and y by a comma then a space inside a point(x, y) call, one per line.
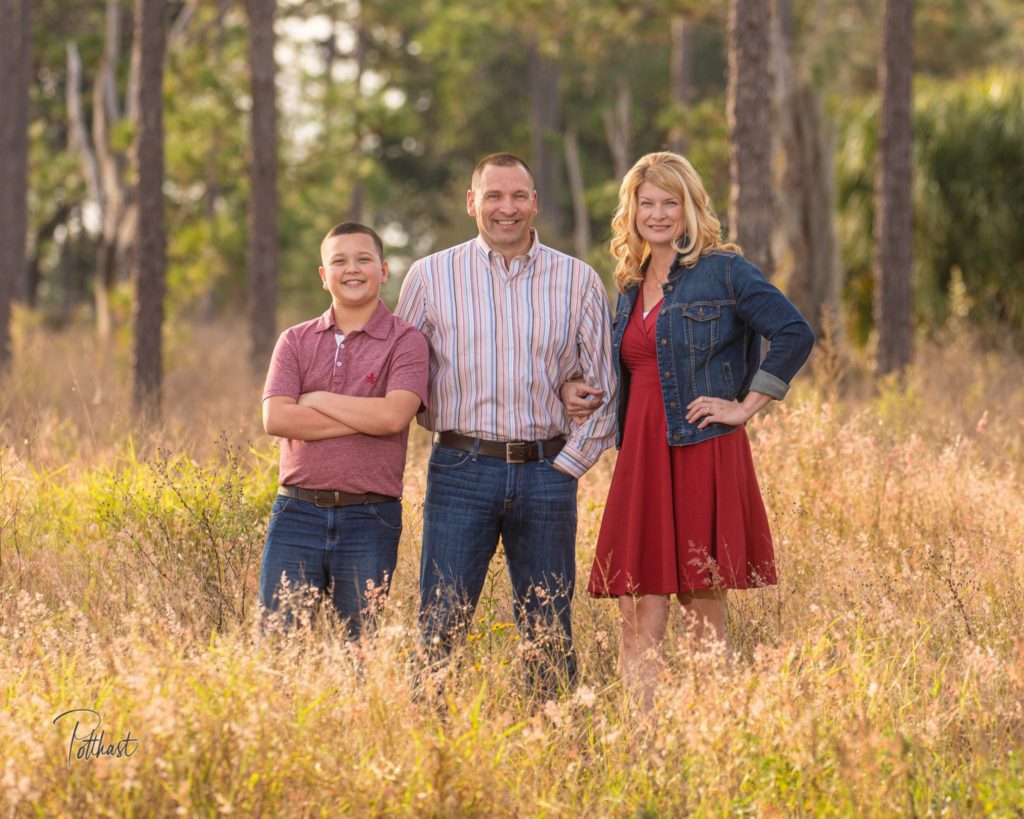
point(502, 159)
point(346, 228)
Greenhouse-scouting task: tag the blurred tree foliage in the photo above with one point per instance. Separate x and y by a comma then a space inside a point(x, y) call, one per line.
point(386, 105)
point(968, 197)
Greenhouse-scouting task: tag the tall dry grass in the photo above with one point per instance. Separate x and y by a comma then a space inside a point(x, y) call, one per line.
point(883, 676)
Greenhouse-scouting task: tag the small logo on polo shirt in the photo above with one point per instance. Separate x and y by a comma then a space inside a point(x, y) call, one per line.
point(371, 378)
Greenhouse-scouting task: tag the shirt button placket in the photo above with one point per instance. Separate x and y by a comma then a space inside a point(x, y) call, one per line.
point(336, 373)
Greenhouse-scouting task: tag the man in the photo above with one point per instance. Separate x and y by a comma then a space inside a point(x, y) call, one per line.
point(340, 393)
point(508, 321)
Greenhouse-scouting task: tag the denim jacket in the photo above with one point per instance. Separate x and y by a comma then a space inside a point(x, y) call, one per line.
point(708, 334)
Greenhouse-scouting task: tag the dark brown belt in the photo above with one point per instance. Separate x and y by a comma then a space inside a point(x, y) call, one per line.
point(513, 452)
point(333, 497)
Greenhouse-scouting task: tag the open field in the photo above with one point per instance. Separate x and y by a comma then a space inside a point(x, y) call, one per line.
point(883, 676)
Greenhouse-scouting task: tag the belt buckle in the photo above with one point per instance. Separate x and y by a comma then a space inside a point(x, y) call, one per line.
point(333, 493)
point(517, 452)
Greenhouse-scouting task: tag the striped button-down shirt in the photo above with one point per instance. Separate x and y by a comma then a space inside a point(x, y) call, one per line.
point(503, 341)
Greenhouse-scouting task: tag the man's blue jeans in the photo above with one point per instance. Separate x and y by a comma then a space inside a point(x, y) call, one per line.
point(343, 552)
point(471, 501)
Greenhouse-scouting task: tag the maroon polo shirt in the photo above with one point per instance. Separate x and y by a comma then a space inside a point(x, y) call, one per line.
point(387, 354)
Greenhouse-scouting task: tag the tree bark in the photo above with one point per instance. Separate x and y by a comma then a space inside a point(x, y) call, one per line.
point(805, 251)
point(263, 240)
point(750, 128)
point(545, 111)
point(355, 208)
point(617, 128)
point(893, 259)
point(104, 167)
point(581, 217)
point(150, 257)
point(15, 72)
point(681, 72)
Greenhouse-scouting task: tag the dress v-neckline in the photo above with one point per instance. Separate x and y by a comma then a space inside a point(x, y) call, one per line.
point(646, 321)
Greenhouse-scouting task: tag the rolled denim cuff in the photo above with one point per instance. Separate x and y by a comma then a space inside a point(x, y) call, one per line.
point(765, 382)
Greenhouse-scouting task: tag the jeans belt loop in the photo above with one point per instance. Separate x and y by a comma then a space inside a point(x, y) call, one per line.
point(475, 452)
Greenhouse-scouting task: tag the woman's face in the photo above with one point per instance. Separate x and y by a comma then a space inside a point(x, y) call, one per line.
point(659, 215)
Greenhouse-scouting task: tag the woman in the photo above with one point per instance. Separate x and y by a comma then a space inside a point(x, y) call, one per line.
point(684, 516)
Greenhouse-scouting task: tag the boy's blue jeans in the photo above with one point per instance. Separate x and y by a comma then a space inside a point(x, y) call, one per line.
point(348, 553)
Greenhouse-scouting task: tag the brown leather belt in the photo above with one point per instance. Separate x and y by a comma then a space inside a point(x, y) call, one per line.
point(513, 452)
point(326, 498)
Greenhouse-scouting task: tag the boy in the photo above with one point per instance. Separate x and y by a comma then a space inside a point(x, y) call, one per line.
point(340, 393)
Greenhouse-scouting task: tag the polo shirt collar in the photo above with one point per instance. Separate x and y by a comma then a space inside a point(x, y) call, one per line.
point(326, 321)
point(377, 326)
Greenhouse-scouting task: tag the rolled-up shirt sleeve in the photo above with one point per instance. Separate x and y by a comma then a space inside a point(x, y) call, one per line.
point(588, 440)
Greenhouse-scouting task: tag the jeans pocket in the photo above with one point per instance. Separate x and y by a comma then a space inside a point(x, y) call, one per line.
point(549, 463)
point(388, 514)
point(281, 502)
point(446, 457)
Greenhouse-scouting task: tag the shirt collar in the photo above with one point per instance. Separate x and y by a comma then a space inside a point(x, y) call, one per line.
point(531, 253)
point(377, 326)
point(326, 321)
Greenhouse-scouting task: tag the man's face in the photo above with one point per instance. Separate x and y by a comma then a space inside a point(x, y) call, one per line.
point(504, 204)
point(352, 270)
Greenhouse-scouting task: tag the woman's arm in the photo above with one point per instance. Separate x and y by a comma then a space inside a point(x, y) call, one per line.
point(767, 311)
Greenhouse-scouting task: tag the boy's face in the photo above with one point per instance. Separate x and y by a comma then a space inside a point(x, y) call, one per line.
point(352, 272)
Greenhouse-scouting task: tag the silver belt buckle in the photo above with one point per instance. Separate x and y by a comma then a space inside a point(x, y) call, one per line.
point(516, 452)
point(333, 493)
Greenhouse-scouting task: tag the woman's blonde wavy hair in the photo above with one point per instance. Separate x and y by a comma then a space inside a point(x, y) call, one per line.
point(703, 232)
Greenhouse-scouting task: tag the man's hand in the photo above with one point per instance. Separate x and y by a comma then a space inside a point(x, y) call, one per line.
point(581, 399)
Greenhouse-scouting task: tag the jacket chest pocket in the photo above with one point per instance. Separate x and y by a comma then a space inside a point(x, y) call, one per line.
point(701, 325)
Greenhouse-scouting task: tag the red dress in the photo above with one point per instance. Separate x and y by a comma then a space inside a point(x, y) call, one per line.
point(678, 518)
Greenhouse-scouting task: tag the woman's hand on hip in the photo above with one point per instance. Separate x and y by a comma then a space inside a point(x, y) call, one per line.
point(705, 410)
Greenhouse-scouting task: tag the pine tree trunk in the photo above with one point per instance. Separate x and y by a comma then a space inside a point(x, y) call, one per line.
point(15, 73)
point(617, 128)
point(355, 207)
point(263, 240)
point(581, 217)
point(804, 250)
point(545, 111)
point(103, 164)
point(150, 257)
point(893, 261)
point(681, 70)
point(750, 128)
